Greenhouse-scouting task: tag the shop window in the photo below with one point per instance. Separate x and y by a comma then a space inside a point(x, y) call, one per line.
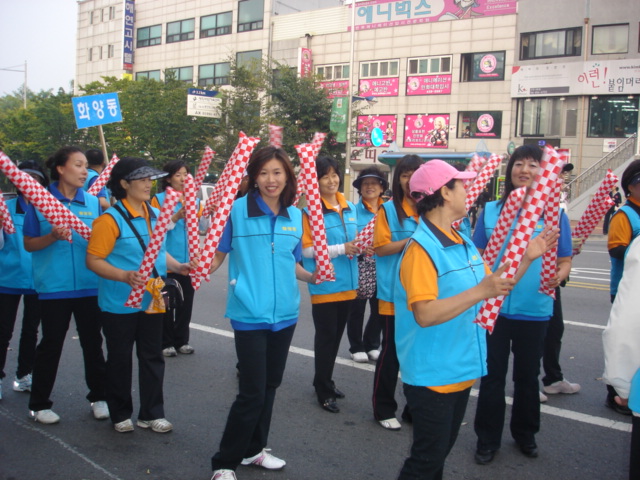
point(552, 43)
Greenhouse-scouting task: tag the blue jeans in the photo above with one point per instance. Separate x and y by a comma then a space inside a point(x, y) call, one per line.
point(436, 422)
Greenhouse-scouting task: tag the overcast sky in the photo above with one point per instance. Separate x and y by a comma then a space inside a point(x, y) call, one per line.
point(43, 33)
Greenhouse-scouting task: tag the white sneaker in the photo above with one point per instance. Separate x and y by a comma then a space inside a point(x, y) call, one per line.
point(265, 460)
point(46, 417)
point(373, 355)
point(169, 352)
point(186, 349)
point(360, 357)
point(224, 475)
point(22, 384)
point(563, 386)
point(390, 424)
point(100, 410)
point(160, 425)
point(543, 397)
point(124, 426)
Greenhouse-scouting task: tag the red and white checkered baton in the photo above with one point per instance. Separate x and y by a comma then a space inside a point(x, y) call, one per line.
point(507, 216)
point(480, 182)
point(532, 209)
point(155, 244)
point(550, 258)
point(364, 239)
point(597, 208)
point(5, 217)
point(207, 156)
point(103, 178)
point(275, 136)
point(306, 153)
point(221, 184)
point(318, 139)
point(475, 165)
point(238, 162)
point(52, 210)
point(191, 216)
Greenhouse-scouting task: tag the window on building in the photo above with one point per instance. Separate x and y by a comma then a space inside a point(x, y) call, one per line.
point(181, 31)
point(552, 43)
point(184, 74)
point(613, 116)
point(548, 117)
point(482, 66)
point(429, 65)
point(149, 75)
point(214, 25)
point(148, 36)
point(250, 15)
point(249, 59)
point(214, 74)
point(110, 51)
point(610, 39)
point(480, 124)
point(384, 68)
point(90, 54)
point(333, 72)
point(112, 13)
point(99, 53)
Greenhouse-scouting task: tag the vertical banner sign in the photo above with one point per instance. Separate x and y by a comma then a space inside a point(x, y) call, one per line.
point(338, 123)
point(127, 34)
point(305, 64)
point(94, 110)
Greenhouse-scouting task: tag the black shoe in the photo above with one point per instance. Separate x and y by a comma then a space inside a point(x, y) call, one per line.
point(484, 457)
point(530, 450)
point(611, 403)
point(329, 405)
point(338, 393)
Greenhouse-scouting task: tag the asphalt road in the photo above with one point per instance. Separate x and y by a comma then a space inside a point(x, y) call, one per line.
point(580, 438)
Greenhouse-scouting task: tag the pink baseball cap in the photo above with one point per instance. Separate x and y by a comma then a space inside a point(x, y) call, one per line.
point(432, 176)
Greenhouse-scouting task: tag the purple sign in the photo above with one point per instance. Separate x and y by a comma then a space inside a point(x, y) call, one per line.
point(127, 33)
point(426, 131)
point(429, 85)
point(337, 88)
point(393, 13)
point(379, 87)
point(366, 123)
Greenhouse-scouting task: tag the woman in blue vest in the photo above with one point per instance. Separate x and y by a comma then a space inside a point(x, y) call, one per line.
point(118, 242)
point(175, 336)
point(16, 282)
point(331, 302)
point(395, 223)
point(520, 328)
point(442, 281)
point(65, 287)
point(262, 239)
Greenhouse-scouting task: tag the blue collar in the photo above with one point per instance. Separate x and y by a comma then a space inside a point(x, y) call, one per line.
point(256, 206)
point(79, 197)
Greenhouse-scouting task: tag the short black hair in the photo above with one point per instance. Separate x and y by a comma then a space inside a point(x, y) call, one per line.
point(124, 167)
point(323, 164)
point(523, 151)
point(59, 159)
point(631, 171)
point(171, 168)
point(429, 202)
point(94, 156)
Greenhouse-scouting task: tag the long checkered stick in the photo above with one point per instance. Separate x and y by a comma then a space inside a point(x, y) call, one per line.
point(191, 217)
point(475, 165)
point(480, 182)
point(104, 176)
point(318, 139)
point(364, 239)
point(238, 162)
point(532, 208)
point(600, 203)
point(550, 258)
point(153, 249)
point(52, 210)
point(223, 180)
point(207, 156)
point(275, 136)
point(5, 217)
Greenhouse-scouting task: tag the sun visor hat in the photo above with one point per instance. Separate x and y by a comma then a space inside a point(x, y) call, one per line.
point(358, 181)
point(145, 172)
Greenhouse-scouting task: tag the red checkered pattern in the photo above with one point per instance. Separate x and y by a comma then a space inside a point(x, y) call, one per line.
point(480, 182)
point(307, 154)
point(507, 216)
point(550, 258)
point(221, 184)
point(5, 217)
point(153, 249)
point(207, 156)
point(191, 216)
point(475, 165)
point(52, 210)
point(365, 236)
point(103, 178)
point(318, 139)
point(275, 136)
point(238, 162)
point(600, 203)
point(534, 203)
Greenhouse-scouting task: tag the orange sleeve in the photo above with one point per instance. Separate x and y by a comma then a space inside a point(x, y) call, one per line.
point(104, 232)
point(307, 239)
point(155, 203)
point(381, 230)
point(619, 231)
point(418, 275)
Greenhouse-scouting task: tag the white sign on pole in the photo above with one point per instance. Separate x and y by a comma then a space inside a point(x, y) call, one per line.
point(203, 103)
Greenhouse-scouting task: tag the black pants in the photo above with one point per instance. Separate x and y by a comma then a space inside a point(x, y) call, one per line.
point(385, 378)
point(262, 357)
point(121, 331)
point(329, 320)
point(553, 344)
point(176, 322)
point(368, 340)
point(436, 422)
point(634, 461)
point(28, 334)
point(607, 220)
point(526, 340)
point(56, 316)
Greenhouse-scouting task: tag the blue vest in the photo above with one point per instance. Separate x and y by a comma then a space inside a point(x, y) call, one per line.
point(17, 273)
point(340, 229)
point(617, 264)
point(364, 214)
point(263, 288)
point(91, 175)
point(59, 271)
point(454, 351)
point(127, 254)
point(177, 241)
point(634, 395)
point(524, 299)
point(387, 266)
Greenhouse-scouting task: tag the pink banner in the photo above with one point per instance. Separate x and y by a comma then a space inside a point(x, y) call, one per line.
point(429, 85)
point(426, 131)
point(305, 68)
point(388, 124)
point(379, 87)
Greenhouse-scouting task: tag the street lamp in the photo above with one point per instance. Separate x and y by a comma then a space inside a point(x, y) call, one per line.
point(24, 86)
